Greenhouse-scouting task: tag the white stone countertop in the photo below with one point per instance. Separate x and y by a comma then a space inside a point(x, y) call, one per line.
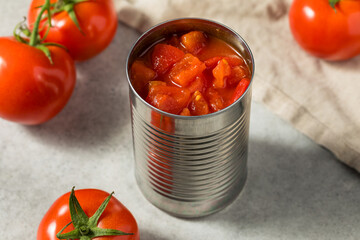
point(295, 189)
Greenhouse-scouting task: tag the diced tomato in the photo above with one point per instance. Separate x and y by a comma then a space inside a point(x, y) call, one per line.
point(185, 112)
point(186, 70)
point(156, 83)
point(212, 62)
point(153, 88)
point(220, 72)
point(193, 41)
point(237, 73)
point(180, 95)
point(198, 104)
point(240, 89)
point(216, 102)
point(234, 61)
point(197, 85)
point(140, 76)
point(164, 56)
point(165, 102)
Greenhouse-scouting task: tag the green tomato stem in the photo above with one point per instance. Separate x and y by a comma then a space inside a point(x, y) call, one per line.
point(333, 3)
point(85, 228)
point(34, 38)
point(18, 27)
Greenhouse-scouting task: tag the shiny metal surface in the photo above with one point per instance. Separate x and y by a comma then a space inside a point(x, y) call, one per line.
point(190, 166)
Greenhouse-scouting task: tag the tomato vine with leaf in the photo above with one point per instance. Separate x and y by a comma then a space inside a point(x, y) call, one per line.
point(37, 77)
point(84, 27)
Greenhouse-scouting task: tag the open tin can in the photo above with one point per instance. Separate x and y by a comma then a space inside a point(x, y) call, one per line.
point(190, 166)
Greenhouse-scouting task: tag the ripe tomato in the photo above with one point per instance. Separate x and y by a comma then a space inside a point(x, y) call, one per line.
point(32, 90)
point(97, 20)
point(115, 216)
point(332, 34)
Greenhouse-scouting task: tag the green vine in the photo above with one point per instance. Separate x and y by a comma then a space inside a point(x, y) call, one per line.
point(32, 37)
point(67, 6)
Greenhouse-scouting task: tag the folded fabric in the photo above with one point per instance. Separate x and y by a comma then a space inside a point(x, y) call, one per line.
point(319, 98)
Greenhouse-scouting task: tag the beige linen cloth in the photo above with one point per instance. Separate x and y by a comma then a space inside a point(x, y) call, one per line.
point(319, 98)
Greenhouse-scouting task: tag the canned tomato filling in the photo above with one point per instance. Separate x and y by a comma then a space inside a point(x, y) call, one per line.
point(190, 74)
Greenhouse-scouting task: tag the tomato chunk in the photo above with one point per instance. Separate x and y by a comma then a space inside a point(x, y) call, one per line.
point(240, 89)
point(216, 102)
point(178, 98)
point(165, 102)
point(212, 62)
point(164, 56)
point(140, 75)
point(234, 61)
point(220, 72)
point(237, 73)
point(156, 83)
point(186, 70)
point(197, 85)
point(198, 105)
point(185, 112)
point(193, 41)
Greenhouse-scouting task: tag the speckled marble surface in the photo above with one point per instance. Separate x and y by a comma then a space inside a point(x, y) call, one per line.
point(295, 188)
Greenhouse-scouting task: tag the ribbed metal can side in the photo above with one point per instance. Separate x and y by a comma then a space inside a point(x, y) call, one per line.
point(191, 175)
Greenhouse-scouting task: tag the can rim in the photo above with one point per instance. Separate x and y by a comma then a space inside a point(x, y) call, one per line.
point(189, 19)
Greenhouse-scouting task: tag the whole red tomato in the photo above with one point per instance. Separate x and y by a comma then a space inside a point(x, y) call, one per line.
point(115, 216)
point(97, 24)
point(32, 89)
point(326, 32)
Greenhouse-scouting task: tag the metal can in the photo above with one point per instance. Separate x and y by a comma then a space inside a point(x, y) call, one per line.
point(190, 166)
